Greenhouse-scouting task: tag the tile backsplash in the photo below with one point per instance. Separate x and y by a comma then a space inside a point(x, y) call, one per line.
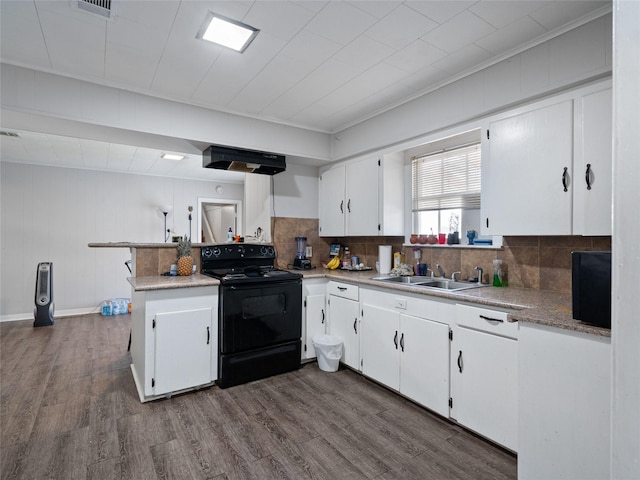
point(537, 262)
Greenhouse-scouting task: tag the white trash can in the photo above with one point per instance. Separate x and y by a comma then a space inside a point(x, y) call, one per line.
point(328, 350)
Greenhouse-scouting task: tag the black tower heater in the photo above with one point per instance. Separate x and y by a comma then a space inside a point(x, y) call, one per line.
point(43, 312)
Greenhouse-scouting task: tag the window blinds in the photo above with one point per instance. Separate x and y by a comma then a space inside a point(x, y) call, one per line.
point(447, 179)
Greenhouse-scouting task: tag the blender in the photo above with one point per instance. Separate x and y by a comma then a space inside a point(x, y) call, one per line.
point(301, 262)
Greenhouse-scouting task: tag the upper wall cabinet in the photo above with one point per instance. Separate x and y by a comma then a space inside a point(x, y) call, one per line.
point(592, 164)
point(363, 198)
point(546, 169)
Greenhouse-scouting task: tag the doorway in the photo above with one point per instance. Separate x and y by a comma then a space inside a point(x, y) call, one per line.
point(215, 216)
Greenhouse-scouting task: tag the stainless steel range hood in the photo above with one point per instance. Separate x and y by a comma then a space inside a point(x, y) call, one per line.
point(240, 160)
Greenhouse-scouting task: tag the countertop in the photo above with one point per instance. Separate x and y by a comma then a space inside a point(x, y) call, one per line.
point(139, 245)
point(527, 305)
point(541, 307)
point(160, 282)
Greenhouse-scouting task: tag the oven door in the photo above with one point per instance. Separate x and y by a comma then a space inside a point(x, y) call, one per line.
point(259, 314)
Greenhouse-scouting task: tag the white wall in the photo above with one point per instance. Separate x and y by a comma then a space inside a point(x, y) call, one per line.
point(50, 214)
point(579, 55)
point(296, 192)
point(625, 325)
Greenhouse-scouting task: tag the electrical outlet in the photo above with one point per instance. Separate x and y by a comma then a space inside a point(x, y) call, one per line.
point(309, 252)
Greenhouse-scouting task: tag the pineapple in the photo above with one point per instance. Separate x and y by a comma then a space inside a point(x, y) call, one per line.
point(185, 260)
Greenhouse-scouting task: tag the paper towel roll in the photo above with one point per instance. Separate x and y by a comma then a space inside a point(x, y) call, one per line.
point(384, 257)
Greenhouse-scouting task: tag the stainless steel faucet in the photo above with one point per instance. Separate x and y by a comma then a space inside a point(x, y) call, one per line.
point(479, 275)
point(440, 270)
point(453, 276)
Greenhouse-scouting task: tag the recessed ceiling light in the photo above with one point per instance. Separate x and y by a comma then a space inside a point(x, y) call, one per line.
point(226, 32)
point(172, 156)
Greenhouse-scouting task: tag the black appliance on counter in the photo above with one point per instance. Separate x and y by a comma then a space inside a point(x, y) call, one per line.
point(591, 287)
point(260, 312)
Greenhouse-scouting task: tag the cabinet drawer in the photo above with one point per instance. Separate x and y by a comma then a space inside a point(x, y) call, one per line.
point(486, 320)
point(344, 290)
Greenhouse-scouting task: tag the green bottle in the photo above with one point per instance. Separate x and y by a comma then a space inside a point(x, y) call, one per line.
point(497, 273)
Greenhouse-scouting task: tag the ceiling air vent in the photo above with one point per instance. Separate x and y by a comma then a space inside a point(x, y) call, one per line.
point(100, 7)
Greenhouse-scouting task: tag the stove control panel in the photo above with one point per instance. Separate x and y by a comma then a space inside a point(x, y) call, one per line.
point(236, 251)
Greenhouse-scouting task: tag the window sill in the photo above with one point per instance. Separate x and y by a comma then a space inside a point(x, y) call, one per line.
point(436, 245)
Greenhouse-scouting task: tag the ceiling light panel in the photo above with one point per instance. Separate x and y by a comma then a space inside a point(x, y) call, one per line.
point(227, 32)
point(172, 156)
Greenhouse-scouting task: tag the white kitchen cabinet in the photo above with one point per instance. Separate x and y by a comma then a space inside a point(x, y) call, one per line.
point(424, 365)
point(380, 349)
point(547, 168)
point(183, 349)
point(564, 404)
point(485, 374)
point(344, 320)
point(331, 208)
point(363, 197)
point(592, 197)
point(527, 163)
point(174, 340)
point(314, 315)
point(407, 353)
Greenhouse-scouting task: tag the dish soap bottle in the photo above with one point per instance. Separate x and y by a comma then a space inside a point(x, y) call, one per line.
point(497, 273)
point(230, 236)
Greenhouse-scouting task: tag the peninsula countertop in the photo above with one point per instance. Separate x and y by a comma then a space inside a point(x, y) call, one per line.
point(162, 282)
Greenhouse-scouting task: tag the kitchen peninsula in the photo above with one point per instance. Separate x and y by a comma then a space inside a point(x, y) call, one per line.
point(174, 322)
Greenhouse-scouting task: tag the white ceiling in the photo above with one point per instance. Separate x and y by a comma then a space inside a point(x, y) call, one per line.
point(320, 65)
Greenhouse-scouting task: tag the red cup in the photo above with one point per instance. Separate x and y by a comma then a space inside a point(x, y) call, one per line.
point(442, 238)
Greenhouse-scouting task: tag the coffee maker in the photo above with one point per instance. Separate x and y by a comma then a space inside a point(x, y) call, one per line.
point(301, 262)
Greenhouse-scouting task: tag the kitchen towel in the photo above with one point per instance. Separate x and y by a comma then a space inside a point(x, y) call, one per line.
point(384, 257)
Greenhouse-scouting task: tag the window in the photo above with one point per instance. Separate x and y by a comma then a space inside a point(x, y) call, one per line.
point(446, 188)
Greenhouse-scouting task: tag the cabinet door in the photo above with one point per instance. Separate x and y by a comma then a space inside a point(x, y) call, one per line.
point(380, 344)
point(332, 206)
point(183, 349)
point(593, 166)
point(315, 319)
point(529, 157)
point(344, 323)
point(362, 197)
point(424, 362)
point(487, 390)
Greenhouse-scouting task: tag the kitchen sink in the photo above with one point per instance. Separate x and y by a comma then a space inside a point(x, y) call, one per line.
point(428, 282)
point(408, 280)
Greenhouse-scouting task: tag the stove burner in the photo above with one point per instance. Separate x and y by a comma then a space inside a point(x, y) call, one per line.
point(243, 263)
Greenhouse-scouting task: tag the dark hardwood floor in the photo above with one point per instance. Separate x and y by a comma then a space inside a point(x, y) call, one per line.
point(69, 410)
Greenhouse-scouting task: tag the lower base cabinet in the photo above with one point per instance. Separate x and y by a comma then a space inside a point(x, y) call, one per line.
point(564, 404)
point(485, 374)
point(183, 349)
point(406, 353)
point(314, 314)
point(174, 340)
point(424, 366)
point(343, 309)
